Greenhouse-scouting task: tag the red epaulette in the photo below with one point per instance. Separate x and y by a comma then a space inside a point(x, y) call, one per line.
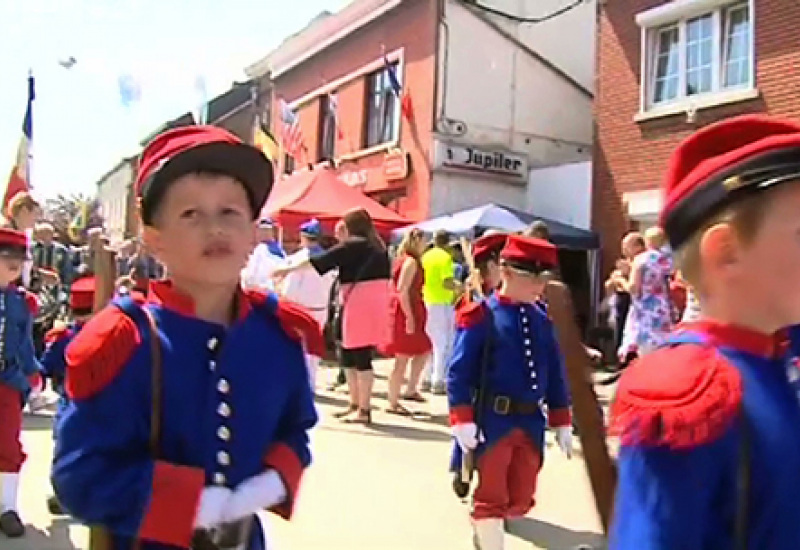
point(56, 333)
point(31, 301)
point(470, 314)
point(680, 397)
point(99, 352)
point(297, 322)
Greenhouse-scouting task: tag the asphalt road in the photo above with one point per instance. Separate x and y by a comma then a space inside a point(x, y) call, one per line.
point(383, 487)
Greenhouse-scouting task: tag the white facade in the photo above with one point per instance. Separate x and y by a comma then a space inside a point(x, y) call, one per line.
point(497, 92)
point(112, 192)
point(562, 193)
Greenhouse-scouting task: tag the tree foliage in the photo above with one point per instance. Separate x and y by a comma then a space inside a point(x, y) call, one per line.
point(67, 213)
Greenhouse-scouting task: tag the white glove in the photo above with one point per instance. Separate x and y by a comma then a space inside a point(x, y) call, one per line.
point(564, 440)
point(467, 436)
point(212, 502)
point(256, 493)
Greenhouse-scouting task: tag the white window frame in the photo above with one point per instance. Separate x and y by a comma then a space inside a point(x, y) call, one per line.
point(678, 13)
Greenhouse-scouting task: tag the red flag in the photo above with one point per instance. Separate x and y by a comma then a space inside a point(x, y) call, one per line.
point(19, 181)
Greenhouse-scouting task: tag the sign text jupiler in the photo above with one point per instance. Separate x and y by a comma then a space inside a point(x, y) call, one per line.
point(504, 164)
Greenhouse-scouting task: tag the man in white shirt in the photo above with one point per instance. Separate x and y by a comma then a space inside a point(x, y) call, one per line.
point(307, 287)
point(266, 257)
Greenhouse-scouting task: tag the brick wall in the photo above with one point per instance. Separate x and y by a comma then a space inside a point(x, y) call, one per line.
point(411, 26)
point(631, 156)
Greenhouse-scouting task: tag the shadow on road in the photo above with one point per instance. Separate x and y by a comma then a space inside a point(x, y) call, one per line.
point(550, 536)
point(392, 430)
point(56, 537)
point(37, 422)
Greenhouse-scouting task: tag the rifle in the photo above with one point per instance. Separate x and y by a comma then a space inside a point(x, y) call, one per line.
point(585, 407)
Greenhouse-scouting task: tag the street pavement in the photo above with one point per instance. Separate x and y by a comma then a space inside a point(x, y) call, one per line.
point(382, 487)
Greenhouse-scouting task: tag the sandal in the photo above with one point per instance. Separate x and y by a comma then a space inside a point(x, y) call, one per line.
point(364, 417)
point(399, 410)
point(346, 412)
point(416, 397)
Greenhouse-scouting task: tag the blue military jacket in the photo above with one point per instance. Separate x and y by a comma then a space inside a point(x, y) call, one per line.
point(236, 402)
point(18, 356)
point(715, 402)
point(54, 361)
point(525, 365)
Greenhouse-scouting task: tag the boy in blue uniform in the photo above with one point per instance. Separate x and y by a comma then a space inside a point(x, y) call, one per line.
point(190, 413)
point(18, 366)
point(710, 446)
point(53, 361)
point(524, 375)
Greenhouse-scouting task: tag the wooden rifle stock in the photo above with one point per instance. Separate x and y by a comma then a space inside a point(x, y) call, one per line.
point(585, 407)
point(105, 273)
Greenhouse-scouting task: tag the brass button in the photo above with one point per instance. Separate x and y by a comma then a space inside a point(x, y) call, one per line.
point(224, 410)
point(224, 433)
point(223, 386)
point(219, 478)
point(212, 343)
point(223, 458)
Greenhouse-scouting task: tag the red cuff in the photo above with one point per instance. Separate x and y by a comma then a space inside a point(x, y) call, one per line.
point(285, 461)
point(461, 414)
point(169, 518)
point(558, 418)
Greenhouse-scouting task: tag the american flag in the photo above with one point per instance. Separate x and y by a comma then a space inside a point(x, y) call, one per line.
point(19, 180)
point(291, 133)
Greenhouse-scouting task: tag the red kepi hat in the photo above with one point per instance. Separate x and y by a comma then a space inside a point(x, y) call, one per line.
point(188, 149)
point(724, 163)
point(529, 254)
point(82, 293)
point(488, 247)
point(13, 243)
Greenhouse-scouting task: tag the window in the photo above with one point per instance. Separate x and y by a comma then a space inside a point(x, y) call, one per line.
point(383, 107)
point(699, 56)
point(327, 126)
point(288, 164)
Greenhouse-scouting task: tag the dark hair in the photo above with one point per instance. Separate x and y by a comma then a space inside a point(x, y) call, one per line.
point(359, 223)
point(441, 238)
point(538, 230)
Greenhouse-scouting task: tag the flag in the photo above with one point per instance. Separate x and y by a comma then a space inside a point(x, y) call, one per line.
point(19, 180)
point(333, 112)
point(291, 133)
point(406, 105)
point(130, 91)
point(201, 89)
point(79, 222)
point(263, 140)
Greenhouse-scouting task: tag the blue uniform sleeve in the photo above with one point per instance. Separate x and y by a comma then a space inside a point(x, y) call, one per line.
point(671, 499)
point(102, 472)
point(53, 361)
point(27, 354)
point(463, 372)
point(557, 393)
point(290, 454)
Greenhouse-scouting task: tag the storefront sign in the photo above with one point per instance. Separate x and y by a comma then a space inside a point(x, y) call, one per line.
point(395, 165)
point(468, 158)
point(354, 178)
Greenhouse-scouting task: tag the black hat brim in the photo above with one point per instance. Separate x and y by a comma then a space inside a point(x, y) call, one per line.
point(243, 162)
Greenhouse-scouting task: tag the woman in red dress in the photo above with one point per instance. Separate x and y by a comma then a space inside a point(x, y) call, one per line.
point(410, 343)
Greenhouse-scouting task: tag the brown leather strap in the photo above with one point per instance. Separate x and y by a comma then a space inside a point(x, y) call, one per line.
point(155, 385)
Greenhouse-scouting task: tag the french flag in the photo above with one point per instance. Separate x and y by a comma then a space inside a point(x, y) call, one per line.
point(406, 105)
point(19, 181)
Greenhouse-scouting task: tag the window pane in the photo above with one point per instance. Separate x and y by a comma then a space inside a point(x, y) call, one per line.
point(665, 84)
point(699, 44)
point(382, 106)
point(736, 52)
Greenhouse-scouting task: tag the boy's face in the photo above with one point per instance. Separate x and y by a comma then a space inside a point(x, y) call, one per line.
point(10, 269)
point(523, 286)
point(767, 269)
point(204, 230)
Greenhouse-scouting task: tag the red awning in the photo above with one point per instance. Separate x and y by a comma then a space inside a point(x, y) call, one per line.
point(321, 194)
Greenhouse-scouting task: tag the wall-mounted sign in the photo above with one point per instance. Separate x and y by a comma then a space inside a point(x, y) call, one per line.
point(488, 162)
point(354, 178)
point(395, 165)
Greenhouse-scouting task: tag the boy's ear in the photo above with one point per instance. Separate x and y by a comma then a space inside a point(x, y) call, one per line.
point(720, 248)
point(151, 239)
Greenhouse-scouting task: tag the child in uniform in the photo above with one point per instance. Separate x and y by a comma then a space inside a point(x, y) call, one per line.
point(524, 375)
point(18, 368)
point(190, 413)
point(710, 446)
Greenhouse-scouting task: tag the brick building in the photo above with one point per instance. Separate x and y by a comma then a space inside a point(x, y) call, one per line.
point(482, 116)
point(665, 69)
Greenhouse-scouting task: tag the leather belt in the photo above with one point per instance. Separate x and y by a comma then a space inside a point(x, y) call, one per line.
point(504, 406)
point(229, 536)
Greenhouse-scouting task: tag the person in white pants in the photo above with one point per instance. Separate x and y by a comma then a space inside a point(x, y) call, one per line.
point(439, 295)
point(307, 287)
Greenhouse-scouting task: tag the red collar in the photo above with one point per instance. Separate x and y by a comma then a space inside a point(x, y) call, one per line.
point(164, 294)
point(741, 338)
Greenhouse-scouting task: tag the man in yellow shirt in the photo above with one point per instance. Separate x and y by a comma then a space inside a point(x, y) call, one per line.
point(438, 292)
